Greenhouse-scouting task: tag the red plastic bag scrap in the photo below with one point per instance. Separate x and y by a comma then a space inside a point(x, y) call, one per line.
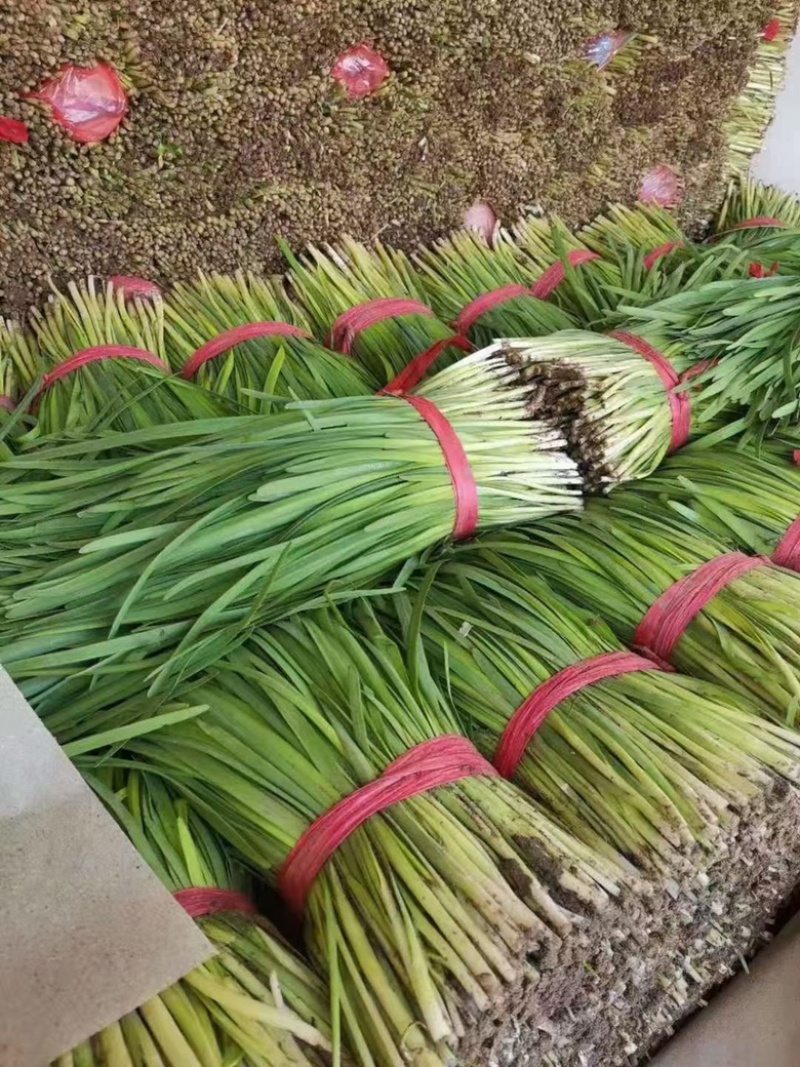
point(483, 220)
point(758, 270)
point(360, 71)
point(661, 186)
point(136, 288)
point(89, 102)
point(13, 131)
point(772, 30)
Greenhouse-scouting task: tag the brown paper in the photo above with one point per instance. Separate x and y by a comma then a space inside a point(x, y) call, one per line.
point(87, 932)
point(754, 1022)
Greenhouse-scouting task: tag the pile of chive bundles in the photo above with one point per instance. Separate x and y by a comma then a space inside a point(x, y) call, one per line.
point(447, 602)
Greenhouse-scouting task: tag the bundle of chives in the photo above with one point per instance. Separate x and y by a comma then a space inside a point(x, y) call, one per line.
point(274, 357)
point(102, 357)
point(200, 531)
point(255, 1002)
point(652, 231)
point(617, 398)
point(19, 362)
point(433, 892)
point(646, 761)
point(753, 108)
point(588, 283)
point(745, 331)
point(762, 223)
point(368, 303)
point(735, 619)
point(752, 211)
point(487, 292)
point(750, 500)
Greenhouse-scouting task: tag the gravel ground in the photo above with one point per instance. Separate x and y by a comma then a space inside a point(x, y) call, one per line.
point(238, 133)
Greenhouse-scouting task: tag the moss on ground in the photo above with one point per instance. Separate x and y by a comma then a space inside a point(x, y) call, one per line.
point(237, 132)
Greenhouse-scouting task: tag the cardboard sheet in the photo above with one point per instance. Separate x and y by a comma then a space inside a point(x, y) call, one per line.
point(87, 932)
point(754, 1022)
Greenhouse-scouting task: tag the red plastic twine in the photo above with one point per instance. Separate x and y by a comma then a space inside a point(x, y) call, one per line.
point(355, 320)
point(237, 335)
point(653, 257)
point(758, 220)
point(531, 714)
point(478, 307)
point(666, 621)
point(201, 902)
point(544, 287)
point(680, 403)
point(465, 489)
point(99, 354)
point(555, 274)
point(787, 554)
point(425, 767)
point(416, 370)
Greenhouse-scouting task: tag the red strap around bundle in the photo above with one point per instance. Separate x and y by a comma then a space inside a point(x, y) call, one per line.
point(544, 287)
point(237, 335)
point(412, 375)
point(99, 354)
point(665, 623)
point(425, 767)
point(658, 253)
point(787, 554)
point(680, 403)
point(7, 403)
point(533, 712)
point(756, 222)
point(201, 902)
point(359, 318)
point(465, 488)
point(486, 302)
point(556, 272)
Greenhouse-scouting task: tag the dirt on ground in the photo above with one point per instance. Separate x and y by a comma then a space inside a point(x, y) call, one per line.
point(237, 131)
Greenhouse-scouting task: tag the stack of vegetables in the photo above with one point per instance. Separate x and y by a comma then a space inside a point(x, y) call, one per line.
point(469, 791)
point(434, 896)
point(752, 111)
point(332, 766)
point(557, 702)
point(254, 1002)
